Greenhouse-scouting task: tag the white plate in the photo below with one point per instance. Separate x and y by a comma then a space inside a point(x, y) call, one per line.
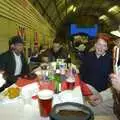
point(69, 96)
point(66, 96)
point(5, 99)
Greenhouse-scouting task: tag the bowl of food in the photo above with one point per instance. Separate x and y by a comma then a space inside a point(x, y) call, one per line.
point(12, 92)
point(71, 111)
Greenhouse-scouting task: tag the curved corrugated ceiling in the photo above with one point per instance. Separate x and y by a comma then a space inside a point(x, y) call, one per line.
point(56, 11)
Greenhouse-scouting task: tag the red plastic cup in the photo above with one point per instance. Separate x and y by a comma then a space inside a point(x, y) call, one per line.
point(45, 97)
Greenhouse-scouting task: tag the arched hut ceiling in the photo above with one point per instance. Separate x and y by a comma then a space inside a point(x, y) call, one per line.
point(57, 12)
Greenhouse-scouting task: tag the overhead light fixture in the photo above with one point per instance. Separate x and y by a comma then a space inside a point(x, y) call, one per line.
point(74, 9)
point(103, 17)
point(116, 32)
point(114, 9)
point(70, 8)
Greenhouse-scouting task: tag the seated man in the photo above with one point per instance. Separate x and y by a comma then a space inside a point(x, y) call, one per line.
point(57, 51)
point(97, 65)
point(13, 61)
point(108, 103)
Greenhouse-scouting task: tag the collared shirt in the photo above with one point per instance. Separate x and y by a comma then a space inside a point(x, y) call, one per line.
point(98, 56)
point(18, 64)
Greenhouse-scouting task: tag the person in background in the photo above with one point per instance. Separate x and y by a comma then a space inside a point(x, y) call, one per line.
point(43, 48)
point(44, 57)
point(13, 62)
point(35, 56)
point(97, 65)
point(44, 61)
point(57, 51)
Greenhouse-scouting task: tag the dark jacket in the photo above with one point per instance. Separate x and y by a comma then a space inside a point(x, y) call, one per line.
point(7, 63)
point(61, 54)
point(116, 97)
point(95, 71)
point(116, 106)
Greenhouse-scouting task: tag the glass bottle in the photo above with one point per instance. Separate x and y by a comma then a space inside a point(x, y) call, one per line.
point(57, 78)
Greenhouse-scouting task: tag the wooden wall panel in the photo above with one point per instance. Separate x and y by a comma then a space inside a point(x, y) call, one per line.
point(15, 13)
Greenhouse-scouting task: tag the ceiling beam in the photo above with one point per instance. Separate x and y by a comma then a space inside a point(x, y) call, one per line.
point(48, 4)
point(45, 13)
point(58, 12)
point(66, 6)
point(91, 5)
point(81, 5)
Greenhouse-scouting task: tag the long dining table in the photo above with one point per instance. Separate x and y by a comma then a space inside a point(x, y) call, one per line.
point(21, 108)
point(25, 106)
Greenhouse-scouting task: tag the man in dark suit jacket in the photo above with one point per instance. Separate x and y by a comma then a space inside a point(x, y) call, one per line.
point(13, 61)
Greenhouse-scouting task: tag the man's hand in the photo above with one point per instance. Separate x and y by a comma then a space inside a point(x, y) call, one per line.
point(115, 80)
point(95, 99)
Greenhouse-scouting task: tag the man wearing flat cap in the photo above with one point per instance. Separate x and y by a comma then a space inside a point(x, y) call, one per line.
point(13, 61)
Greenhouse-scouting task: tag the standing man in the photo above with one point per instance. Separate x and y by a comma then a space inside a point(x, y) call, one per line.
point(97, 65)
point(13, 61)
